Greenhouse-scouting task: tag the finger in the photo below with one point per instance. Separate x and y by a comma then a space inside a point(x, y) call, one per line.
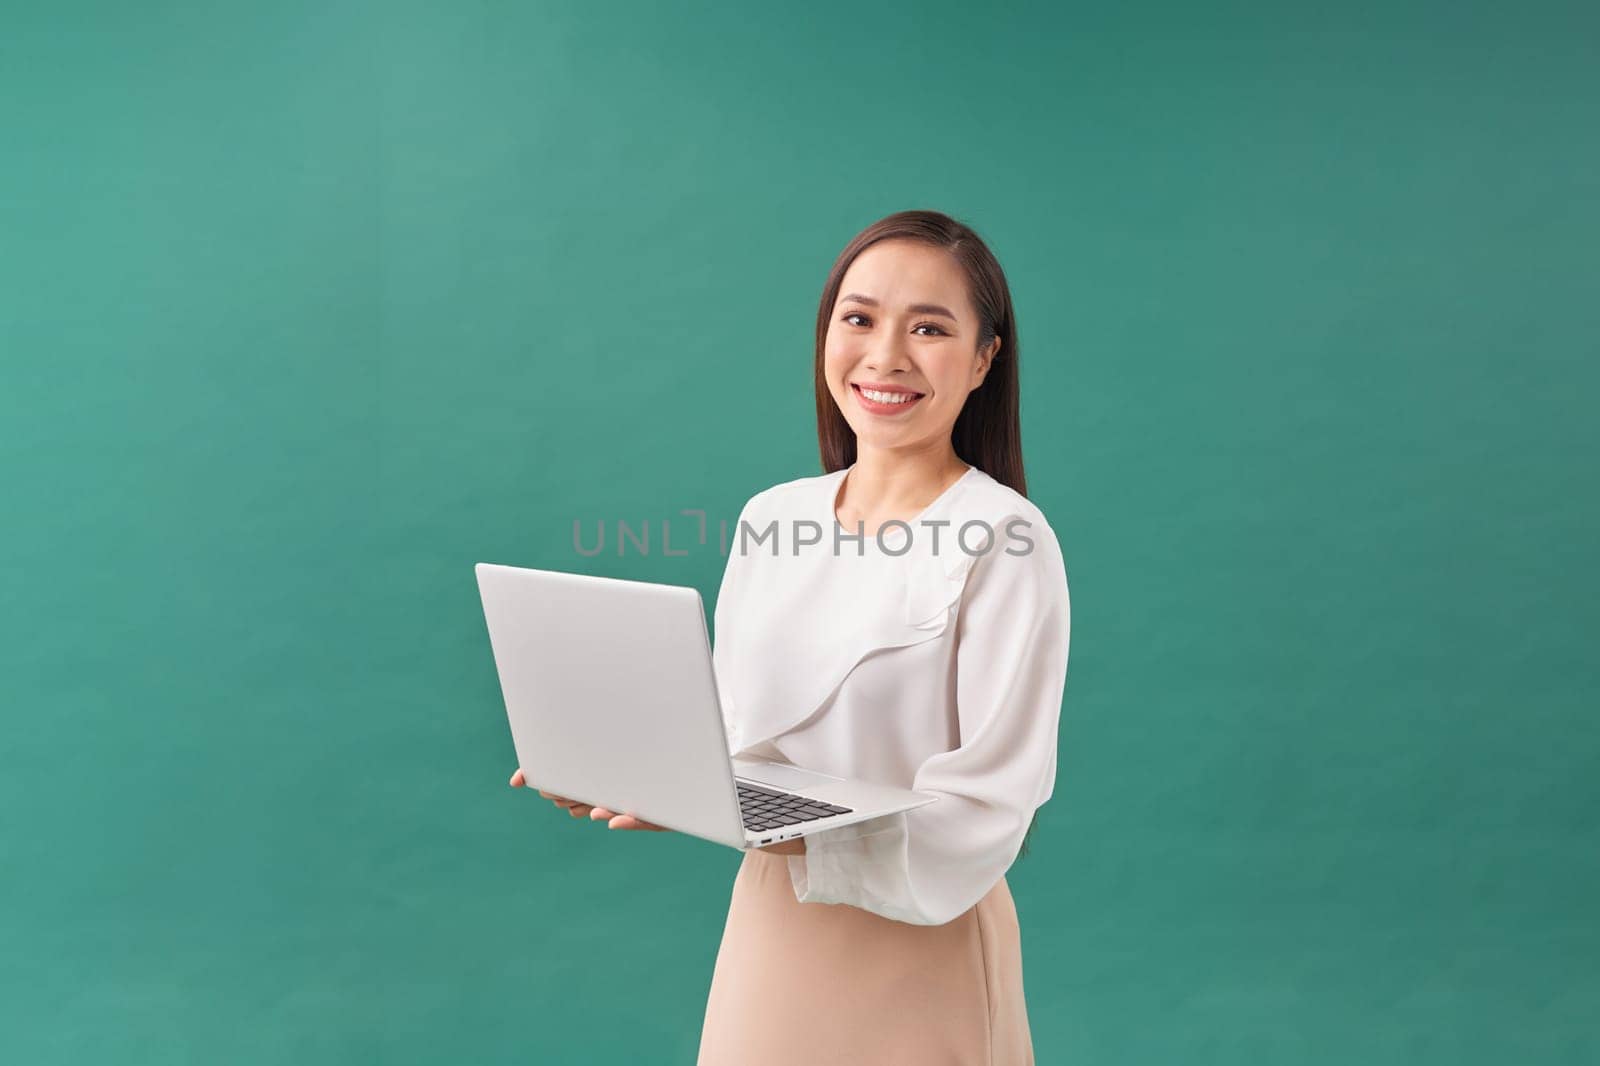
point(628, 821)
point(600, 814)
point(579, 810)
point(517, 780)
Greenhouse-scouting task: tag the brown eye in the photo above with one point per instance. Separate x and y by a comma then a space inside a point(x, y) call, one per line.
point(853, 314)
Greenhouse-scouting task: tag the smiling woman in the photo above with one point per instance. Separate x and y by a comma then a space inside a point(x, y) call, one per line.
point(889, 351)
point(940, 670)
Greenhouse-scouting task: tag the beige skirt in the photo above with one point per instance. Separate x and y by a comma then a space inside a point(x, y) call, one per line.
point(825, 984)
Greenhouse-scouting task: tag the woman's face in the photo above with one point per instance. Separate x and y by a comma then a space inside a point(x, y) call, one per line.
point(904, 321)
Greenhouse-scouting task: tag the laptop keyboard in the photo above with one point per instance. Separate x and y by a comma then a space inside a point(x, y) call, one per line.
point(768, 809)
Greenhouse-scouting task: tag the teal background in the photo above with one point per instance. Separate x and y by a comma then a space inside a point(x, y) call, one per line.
point(307, 307)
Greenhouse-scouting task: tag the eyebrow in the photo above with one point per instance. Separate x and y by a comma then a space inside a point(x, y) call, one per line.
point(916, 309)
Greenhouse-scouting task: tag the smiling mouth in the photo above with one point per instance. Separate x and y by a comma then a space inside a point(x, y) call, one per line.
point(885, 402)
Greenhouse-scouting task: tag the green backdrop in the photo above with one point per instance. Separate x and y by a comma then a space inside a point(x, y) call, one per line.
point(307, 307)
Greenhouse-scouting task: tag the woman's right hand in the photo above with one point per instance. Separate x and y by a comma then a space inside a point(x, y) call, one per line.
point(588, 810)
point(573, 807)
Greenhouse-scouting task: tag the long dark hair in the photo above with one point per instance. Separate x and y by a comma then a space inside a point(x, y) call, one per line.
point(988, 431)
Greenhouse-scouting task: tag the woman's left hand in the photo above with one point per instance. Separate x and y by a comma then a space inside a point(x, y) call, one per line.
point(786, 847)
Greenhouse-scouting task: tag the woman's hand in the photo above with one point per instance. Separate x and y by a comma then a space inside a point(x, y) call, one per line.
point(787, 847)
point(628, 821)
point(598, 814)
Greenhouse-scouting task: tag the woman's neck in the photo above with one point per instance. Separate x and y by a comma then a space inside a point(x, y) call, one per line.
point(888, 485)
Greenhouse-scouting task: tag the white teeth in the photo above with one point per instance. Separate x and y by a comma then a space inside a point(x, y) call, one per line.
point(887, 397)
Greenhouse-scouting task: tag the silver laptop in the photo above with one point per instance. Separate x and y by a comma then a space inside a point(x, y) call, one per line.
point(612, 700)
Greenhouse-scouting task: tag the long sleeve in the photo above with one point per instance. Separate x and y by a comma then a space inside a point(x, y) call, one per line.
point(929, 865)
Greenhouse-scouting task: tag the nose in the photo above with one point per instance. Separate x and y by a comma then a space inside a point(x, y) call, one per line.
point(888, 354)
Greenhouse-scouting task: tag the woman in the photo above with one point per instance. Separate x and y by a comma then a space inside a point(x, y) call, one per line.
point(909, 624)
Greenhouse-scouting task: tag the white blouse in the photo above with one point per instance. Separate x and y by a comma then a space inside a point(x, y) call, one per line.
point(932, 656)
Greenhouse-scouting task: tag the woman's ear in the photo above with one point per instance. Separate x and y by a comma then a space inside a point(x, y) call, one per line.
point(985, 360)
